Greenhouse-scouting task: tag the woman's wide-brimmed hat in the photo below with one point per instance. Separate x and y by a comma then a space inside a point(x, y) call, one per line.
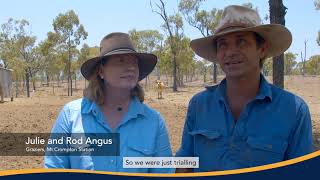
point(119, 44)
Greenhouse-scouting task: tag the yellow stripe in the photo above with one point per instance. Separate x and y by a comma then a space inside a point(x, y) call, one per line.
point(215, 173)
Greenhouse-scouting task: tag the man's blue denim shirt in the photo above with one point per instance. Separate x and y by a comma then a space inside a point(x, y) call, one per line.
point(273, 127)
point(142, 134)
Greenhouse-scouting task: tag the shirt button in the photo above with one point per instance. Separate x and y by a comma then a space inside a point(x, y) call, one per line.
point(112, 161)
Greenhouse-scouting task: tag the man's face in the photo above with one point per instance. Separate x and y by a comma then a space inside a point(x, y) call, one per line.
point(238, 54)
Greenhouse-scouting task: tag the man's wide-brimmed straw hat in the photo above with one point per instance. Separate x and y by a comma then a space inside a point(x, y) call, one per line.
point(239, 19)
point(119, 44)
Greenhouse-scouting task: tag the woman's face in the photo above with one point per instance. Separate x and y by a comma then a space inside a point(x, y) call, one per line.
point(120, 71)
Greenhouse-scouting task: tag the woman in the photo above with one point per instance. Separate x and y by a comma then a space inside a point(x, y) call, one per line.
point(112, 103)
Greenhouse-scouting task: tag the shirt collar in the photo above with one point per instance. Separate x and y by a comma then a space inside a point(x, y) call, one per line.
point(87, 106)
point(264, 89)
point(135, 107)
point(263, 93)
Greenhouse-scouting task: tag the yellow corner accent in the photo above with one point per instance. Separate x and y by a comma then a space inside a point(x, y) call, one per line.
point(215, 173)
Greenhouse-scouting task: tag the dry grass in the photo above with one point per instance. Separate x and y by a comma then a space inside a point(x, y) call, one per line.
point(37, 113)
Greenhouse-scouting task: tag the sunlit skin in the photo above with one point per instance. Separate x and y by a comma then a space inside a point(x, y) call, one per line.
point(120, 74)
point(239, 56)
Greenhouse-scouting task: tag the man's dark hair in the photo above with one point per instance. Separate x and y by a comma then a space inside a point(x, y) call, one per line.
point(260, 41)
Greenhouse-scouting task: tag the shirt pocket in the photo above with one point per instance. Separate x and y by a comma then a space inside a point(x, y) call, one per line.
point(139, 150)
point(205, 137)
point(82, 162)
point(208, 146)
point(266, 150)
point(210, 135)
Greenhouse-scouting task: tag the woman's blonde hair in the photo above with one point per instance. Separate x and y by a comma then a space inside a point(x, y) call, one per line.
point(95, 90)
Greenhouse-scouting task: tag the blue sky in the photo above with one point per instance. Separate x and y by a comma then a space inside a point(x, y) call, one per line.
point(102, 17)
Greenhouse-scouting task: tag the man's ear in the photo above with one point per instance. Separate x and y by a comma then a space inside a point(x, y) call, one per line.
point(263, 50)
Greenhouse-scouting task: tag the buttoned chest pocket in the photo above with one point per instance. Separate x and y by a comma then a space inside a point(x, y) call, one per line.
point(265, 150)
point(139, 150)
point(205, 136)
point(208, 146)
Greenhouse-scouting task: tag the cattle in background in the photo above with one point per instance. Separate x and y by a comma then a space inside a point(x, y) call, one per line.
point(160, 87)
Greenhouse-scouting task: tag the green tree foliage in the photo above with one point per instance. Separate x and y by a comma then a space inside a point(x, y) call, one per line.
point(267, 67)
point(67, 26)
point(173, 26)
point(313, 65)
point(50, 53)
point(205, 21)
point(289, 62)
point(19, 52)
point(147, 41)
point(185, 61)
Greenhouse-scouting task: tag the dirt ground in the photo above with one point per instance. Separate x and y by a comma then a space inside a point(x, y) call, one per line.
point(38, 113)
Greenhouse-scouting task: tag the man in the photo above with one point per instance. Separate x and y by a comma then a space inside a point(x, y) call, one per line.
point(244, 121)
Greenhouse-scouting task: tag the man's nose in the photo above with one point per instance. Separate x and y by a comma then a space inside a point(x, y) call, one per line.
point(231, 50)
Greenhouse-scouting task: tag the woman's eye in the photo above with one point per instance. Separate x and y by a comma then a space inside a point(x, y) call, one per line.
point(242, 42)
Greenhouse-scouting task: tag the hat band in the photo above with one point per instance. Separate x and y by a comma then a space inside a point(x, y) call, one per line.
point(118, 50)
point(229, 26)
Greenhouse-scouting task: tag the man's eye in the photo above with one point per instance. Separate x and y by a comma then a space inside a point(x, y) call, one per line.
point(221, 45)
point(242, 41)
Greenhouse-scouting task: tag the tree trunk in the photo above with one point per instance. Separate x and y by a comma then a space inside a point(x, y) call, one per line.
point(69, 69)
point(303, 65)
point(48, 80)
point(33, 81)
point(75, 81)
point(17, 89)
point(27, 83)
point(23, 83)
point(277, 13)
point(146, 83)
point(158, 73)
point(215, 73)
point(167, 79)
point(305, 56)
point(34, 85)
point(174, 87)
point(70, 85)
point(58, 78)
point(68, 81)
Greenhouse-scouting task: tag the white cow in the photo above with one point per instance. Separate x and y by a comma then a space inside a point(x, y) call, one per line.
point(160, 87)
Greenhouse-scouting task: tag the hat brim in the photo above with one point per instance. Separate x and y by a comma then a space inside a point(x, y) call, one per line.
point(277, 36)
point(146, 63)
